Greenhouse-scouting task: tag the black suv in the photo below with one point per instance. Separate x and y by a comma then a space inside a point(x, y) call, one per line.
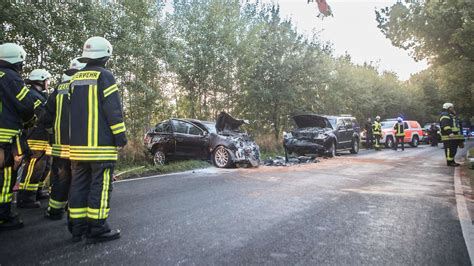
point(322, 135)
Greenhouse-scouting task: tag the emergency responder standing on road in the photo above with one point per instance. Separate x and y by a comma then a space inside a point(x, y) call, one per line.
point(399, 133)
point(16, 112)
point(434, 135)
point(368, 134)
point(29, 191)
point(377, 131)
point(56, 119)
point(97, 132)
point(450, 133)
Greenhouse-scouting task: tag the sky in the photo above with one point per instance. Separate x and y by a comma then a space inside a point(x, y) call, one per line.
point(352, 29)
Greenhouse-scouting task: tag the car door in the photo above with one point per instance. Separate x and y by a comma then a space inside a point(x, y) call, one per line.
point(340, 132)
point(408, 132)
point(162, 137)
point(346, 142)
point(190, 140)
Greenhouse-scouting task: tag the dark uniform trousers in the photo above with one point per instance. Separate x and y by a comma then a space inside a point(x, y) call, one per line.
point(377, 141)
point(399, 139)
point(7, 180)
point(89, 199)
point(450, 150)
point(60, 182)
point(34, 170)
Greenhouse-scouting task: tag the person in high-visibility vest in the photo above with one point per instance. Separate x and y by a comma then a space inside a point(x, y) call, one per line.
point(16, 113)
point(97, 132)
point(377, 131)
point(399, 134)
point(450, 133)
point(37, 139)
point(56, 120)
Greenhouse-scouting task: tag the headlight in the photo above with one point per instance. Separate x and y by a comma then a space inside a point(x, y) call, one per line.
point(287, 135)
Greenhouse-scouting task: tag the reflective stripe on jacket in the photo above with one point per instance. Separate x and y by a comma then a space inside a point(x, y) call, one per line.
point(399, 130)
point(57, 119)
point(377, 128)
point(15, 107)
point(96, 125)
point(448, 125)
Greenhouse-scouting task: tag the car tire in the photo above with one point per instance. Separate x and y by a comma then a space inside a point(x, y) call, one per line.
point(355, 146)
point(415, 142)
point(159, 157)
point(389, 142)
point(332, 149)
point(221, 157)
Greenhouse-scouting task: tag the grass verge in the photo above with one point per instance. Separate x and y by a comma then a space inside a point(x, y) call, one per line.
point(134, 171)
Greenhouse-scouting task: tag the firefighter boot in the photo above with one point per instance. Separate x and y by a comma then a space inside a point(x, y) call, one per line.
point(99, 231)
point(54, 214)
point(78, 228)
point(42, 194)
point(27, 200)
point(12, 222)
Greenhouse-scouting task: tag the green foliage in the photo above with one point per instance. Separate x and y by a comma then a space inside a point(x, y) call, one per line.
point(441, 32)
point(205, 56)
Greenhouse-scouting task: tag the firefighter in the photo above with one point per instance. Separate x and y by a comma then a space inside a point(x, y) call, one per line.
point(399, 133)
point(433, 135)
point(450, 133)
point(97, 133)
point(30, 192)
point(56, 120)
point(16, 113)
point(369, 134)
point(377, 131)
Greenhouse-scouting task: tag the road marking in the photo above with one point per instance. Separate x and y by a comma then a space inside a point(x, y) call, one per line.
point(463, 213)
point(198, 171)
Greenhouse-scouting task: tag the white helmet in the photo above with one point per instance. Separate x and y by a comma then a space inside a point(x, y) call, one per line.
point(12, 53)
point(448, 105)
point(399, 119)
point(39, 75)
point(74, 65)
point(377, 117)
point(94, 48)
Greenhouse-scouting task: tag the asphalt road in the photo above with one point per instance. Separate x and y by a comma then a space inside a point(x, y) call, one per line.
point(384, 208)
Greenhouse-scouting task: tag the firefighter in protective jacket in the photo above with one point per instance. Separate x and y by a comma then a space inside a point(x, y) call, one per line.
point(16, 112)
point(56, 119)
point(377, 131)
point(450, 133)
point(97, 133)
point(37, 139)
point(399, 133)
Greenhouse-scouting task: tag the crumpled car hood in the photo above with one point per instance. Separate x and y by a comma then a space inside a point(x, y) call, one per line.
point(227, 122)
point(305, 121)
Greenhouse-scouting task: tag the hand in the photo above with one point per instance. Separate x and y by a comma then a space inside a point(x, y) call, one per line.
point(451, 135)
point(119, 148)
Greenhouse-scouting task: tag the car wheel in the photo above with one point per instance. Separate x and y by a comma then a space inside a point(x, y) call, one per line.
point(355, 146)
point(389, 142)
point(414, 142)
point(221, 157)
point(159, 158)
point(332, 149)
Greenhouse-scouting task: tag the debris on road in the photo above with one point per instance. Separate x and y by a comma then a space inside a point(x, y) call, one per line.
point(292, 160)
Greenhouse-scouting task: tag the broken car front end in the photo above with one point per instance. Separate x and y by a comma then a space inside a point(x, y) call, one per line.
point(306, 141)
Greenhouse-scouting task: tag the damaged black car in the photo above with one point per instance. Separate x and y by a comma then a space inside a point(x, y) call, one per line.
point(221, 142)
point(322, 135)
